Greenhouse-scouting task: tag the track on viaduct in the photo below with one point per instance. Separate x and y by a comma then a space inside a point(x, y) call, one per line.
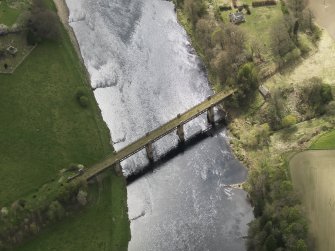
point(146, 141)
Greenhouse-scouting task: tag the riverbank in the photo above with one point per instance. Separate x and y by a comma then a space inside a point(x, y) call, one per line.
point(63, 14)
point(44, 129)
point(262, 149)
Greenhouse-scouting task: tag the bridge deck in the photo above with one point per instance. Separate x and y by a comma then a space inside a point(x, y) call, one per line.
point(156, 134)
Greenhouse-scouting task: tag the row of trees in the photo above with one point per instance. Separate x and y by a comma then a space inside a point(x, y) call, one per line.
point(26, 217)
point(280, 223)
point(285, 43)
point(311, 99)
point(224, 50)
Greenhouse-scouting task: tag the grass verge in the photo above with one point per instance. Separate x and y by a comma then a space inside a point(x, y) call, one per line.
point(325, 141)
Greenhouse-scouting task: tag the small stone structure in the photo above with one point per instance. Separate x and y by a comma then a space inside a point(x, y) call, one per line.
point(236, 18)
point(11, 50)
point(264, 91)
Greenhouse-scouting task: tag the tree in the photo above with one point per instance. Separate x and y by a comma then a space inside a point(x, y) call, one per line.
point(55, 211)
point(195, 9)
point(43, 23)
point(247, 82)
point(204, 29)
point(289, 120)
point(275, 110)
point(314, 96)
point(296, 7)
point(281, 42)
point(300, 245)
point(230, 57)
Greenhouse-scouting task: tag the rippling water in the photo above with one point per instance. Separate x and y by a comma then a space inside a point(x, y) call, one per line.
point(145, 72)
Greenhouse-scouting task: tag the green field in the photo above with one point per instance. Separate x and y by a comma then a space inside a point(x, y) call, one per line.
point(313, 175)
point(8, 15)
point(100, 226)
point(325, 141)
point(43, 129)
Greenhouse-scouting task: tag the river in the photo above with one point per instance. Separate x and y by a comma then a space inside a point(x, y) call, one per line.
point(145, 72)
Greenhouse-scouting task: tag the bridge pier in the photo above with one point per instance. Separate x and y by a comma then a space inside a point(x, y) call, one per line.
point(210, 115)
point(180, 133)
point(150, 153)
point(118, 168)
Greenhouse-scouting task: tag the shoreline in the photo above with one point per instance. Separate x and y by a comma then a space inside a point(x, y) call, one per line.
point(63, 13)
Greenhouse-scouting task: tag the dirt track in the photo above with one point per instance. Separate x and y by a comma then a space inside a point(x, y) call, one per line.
point(324, 11)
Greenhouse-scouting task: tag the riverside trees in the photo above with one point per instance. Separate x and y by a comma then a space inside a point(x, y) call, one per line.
point(42, 23)
point(279, 223)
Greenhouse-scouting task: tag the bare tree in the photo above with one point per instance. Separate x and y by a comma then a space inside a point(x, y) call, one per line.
point(281, 42)
point(195, 9)
point(43, 23)
point(296, 7)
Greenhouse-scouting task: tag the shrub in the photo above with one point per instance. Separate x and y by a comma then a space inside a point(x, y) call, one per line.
point(289, 120)
point(80, 93)
point(283, 7)
point(247, 82)
point(224, 7)
point(82, 98)
point(83, 101)
point(258, 3)
point(330, 108)
point(313, 97)
point(55, 211)
point(303, 46)
point(292, 56)
point(326, 93)
point(247, 8)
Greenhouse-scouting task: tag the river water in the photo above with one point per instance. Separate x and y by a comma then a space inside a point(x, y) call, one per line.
point(145, 72)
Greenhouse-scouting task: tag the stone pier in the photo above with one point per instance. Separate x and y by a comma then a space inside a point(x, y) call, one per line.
point(180, 133)
point(150, 153)
point(210, 115)
point(118, 168)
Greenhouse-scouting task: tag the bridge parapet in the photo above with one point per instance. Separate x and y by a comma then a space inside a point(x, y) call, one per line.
point(148, 140)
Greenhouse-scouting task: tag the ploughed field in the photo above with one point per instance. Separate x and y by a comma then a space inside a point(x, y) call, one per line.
point(313, 173)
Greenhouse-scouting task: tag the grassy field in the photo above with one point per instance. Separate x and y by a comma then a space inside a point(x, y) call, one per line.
point(313, 177)
point(100, 226)
point(258, 25)
point(42, 130)
point(8, 15)
point(326, 141)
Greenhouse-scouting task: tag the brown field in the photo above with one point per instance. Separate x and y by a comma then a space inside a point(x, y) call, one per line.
point(313, 175)
point(323, 11)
